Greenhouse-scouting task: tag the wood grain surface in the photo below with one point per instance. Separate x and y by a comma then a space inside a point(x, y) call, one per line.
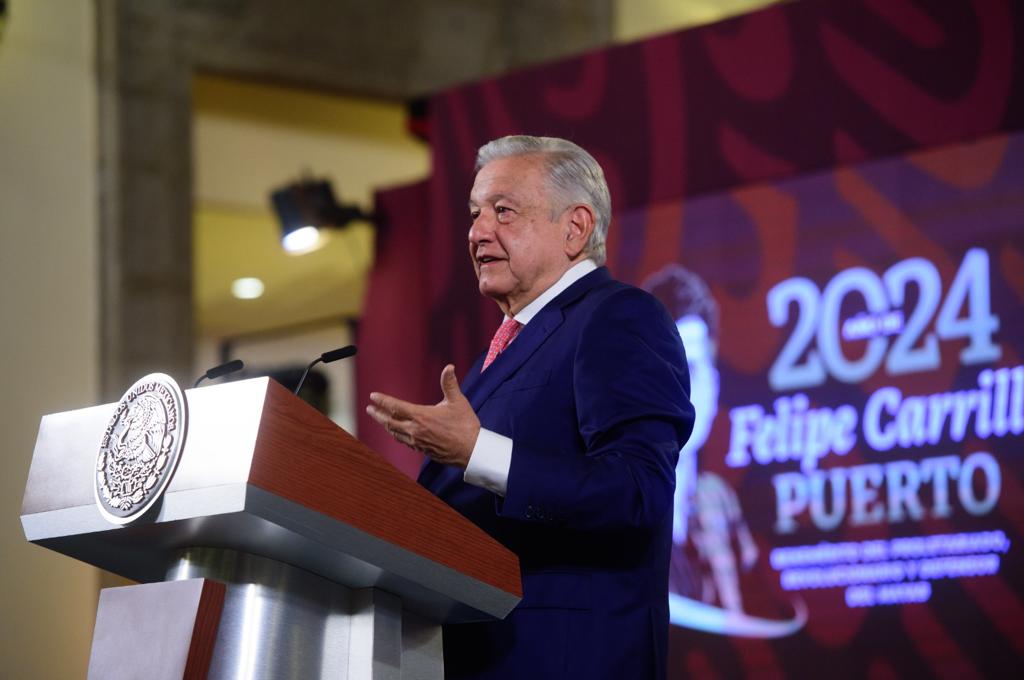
point(303, 456)
point(204, 633)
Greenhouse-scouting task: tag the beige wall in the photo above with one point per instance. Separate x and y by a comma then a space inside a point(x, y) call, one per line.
point(48, 301)
point(638, 19)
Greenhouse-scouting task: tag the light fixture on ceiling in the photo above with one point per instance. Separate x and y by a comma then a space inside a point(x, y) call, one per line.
point(247, 288)
point(302, 240)
point(306, 207)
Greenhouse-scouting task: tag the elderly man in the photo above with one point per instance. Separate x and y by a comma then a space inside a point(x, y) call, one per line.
point(564, 444)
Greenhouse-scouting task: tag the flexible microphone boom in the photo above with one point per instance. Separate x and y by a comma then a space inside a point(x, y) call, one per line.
point(327, 357)
point(223, 369)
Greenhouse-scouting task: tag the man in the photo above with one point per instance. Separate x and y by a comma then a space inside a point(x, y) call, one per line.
point(565, 443)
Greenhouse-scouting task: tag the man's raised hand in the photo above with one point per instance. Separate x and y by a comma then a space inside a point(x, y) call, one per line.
point(446, 431)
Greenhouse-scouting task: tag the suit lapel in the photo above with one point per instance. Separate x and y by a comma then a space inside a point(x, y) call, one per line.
point(509, 361)
point(472, 378)
point(480, 386)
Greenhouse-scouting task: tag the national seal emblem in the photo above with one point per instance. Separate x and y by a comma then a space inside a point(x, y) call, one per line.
point(140, 448)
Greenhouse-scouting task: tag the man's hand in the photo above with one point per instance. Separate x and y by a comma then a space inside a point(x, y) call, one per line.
point(446, 431)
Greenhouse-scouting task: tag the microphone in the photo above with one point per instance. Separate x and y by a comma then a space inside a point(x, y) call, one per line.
point(223, 369)
point(327, 357)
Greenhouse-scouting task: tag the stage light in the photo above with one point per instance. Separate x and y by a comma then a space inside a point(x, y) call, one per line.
point(302, 240)
point(247, 288)
point(305, 208)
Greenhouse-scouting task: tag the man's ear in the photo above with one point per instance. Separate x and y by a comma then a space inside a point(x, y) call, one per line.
point(579, 226)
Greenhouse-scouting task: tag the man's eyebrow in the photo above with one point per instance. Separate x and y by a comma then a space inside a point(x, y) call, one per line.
point(493, 198)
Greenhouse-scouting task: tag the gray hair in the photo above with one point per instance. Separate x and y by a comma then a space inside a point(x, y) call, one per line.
point(573, 177)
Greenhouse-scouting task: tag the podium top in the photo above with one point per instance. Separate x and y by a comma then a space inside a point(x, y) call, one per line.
point(263, 472)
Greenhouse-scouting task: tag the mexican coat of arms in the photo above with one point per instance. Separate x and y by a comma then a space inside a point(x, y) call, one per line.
point(140, 448)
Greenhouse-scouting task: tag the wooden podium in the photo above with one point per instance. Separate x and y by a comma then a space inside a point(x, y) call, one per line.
point(281, 548)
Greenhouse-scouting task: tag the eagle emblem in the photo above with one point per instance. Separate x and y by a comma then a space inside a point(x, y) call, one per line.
point(140, 448)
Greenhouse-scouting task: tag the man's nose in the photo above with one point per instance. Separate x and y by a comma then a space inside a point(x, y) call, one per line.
point(482, 229)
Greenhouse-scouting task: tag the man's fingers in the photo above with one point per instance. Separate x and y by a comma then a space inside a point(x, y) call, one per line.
point(393, 426)
point(378, 415)
point(450, 384)
point(396, 408)
point(437, 429)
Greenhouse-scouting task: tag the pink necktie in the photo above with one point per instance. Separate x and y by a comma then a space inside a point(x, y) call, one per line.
point(507, 332)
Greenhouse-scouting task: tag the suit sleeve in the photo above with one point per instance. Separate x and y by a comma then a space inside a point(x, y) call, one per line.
point(633, 414)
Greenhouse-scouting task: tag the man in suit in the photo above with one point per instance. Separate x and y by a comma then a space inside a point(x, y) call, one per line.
point(563, 445)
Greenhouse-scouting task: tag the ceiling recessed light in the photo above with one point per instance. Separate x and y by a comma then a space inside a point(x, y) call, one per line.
point(247, 288)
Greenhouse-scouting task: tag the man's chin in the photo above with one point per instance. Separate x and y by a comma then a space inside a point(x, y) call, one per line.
point(496, 292)
point(491, 287)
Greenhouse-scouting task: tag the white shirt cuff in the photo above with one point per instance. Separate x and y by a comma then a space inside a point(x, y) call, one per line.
point(490, 462)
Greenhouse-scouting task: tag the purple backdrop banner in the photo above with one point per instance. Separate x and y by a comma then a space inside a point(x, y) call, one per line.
point(840, 178)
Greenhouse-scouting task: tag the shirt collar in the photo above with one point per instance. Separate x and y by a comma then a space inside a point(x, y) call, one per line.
point(571, 276)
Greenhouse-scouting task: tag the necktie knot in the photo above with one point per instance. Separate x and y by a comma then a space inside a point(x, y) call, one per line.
point(506, 332)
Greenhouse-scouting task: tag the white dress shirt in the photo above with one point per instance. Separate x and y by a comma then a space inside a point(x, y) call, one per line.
point(492, 454)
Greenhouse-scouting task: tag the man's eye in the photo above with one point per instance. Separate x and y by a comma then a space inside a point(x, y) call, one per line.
point(504, 213)
point(473, 214)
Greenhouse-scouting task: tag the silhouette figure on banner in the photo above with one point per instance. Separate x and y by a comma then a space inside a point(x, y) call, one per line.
point(712, 542)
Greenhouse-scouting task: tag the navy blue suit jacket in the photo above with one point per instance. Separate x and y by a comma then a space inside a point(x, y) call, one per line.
point(594, 393)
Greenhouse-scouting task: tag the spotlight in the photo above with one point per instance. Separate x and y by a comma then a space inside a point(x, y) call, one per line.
point(306, 207)
point(302, 240)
